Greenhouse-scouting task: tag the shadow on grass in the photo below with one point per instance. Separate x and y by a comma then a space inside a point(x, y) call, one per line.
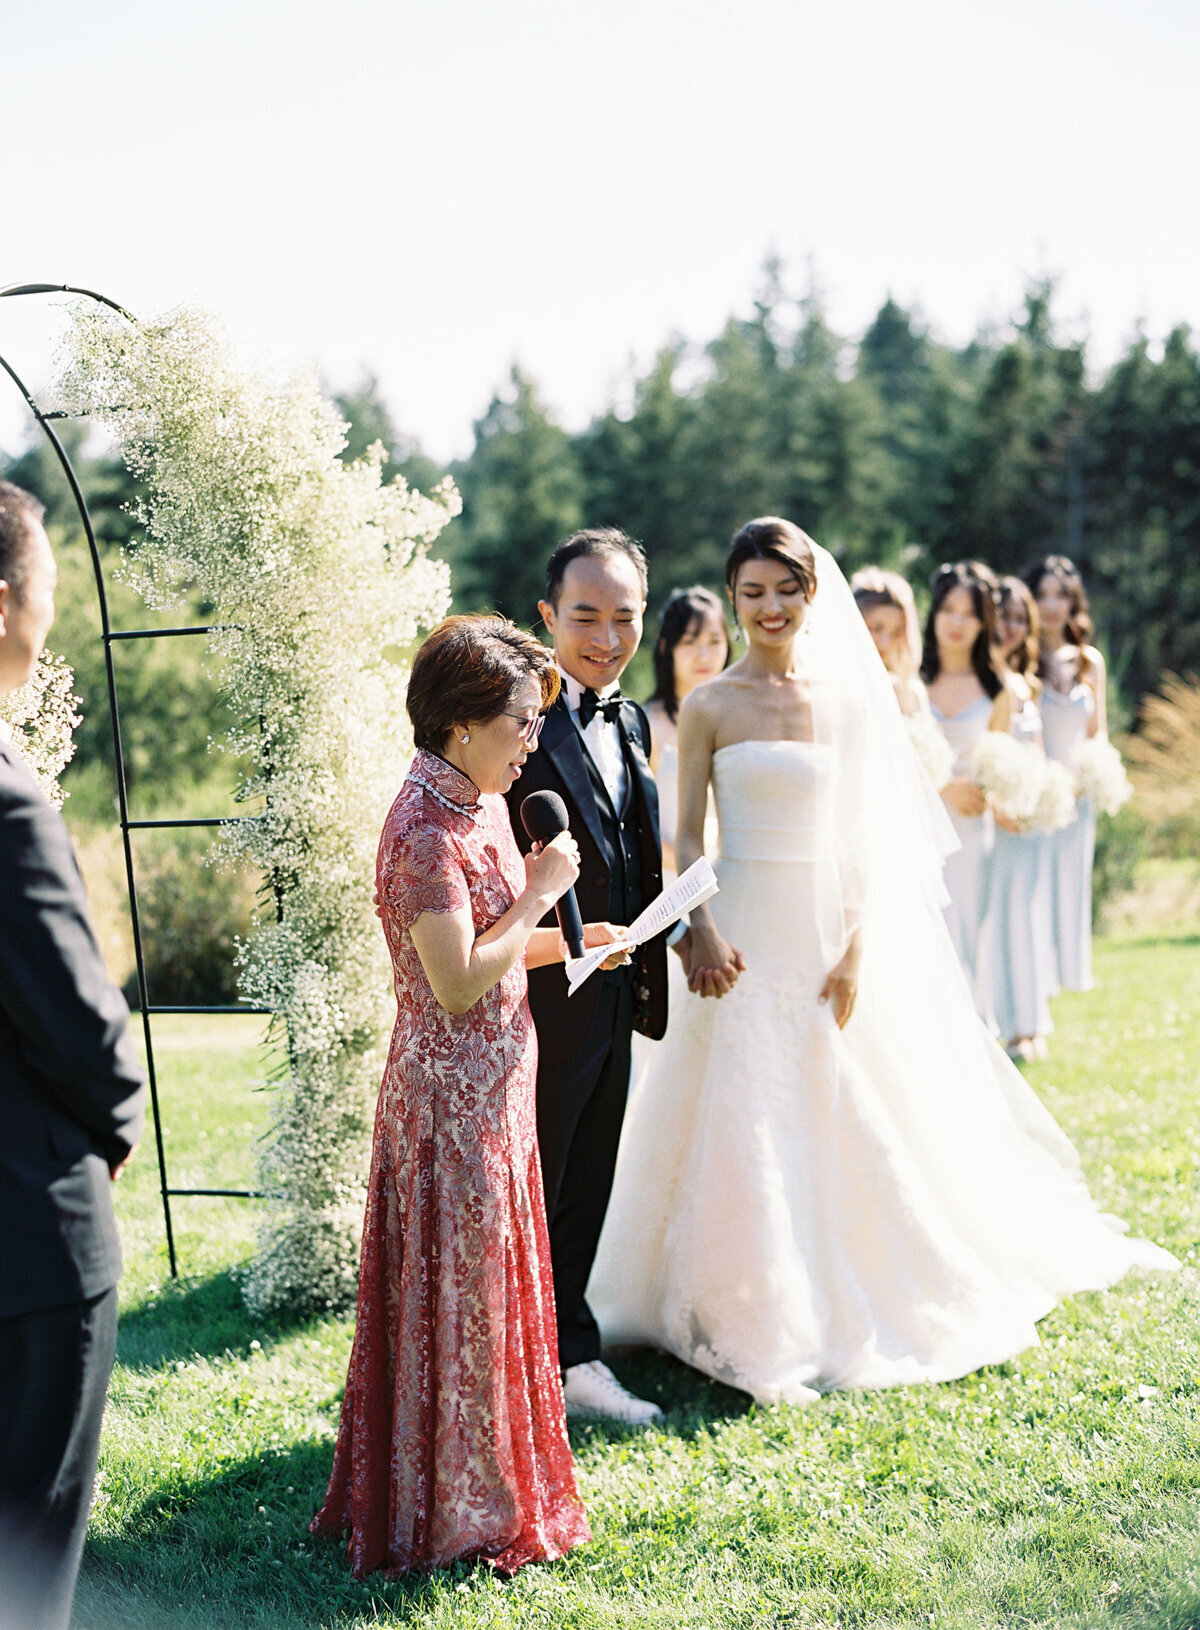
point(235, 1550)
point(689, 1400)
point(1143, 942)
point(196, 1318)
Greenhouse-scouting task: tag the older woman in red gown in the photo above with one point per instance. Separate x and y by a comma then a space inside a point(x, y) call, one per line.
point(453, 1441)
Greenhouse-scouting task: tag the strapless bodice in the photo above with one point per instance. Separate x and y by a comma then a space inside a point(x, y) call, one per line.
point(774, 800)
point(1066, 716)
point(964, 728)
point(666, 778)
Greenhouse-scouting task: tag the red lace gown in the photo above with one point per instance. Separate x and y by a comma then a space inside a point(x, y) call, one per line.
point(453, 1441)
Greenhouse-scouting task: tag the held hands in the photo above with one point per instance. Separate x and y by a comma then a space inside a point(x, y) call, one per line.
point(710, 962)
point(964, 797)
point(551, 868)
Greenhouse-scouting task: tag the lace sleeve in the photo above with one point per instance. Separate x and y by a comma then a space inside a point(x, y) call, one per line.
point(420, 869)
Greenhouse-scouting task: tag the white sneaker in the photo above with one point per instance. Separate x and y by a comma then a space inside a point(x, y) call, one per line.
point(593, 1389)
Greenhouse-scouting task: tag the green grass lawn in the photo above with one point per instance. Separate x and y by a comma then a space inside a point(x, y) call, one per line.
point(1061, 1489)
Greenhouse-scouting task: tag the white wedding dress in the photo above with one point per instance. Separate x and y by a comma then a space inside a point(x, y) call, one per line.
point(797, 1207)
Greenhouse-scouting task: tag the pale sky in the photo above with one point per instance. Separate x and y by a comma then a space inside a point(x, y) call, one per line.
point(434, 191)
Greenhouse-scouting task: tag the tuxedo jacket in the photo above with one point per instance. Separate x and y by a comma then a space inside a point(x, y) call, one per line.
point(71, 1087)
point(562, 764)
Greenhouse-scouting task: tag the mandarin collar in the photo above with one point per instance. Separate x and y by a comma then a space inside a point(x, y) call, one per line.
point(575, 690)
point(447, 784)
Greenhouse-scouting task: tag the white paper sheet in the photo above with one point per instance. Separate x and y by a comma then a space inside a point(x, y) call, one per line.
point(692, 888)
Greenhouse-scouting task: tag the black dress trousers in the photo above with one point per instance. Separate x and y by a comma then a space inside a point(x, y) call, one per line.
point(54, 1370)
point(580, 1108)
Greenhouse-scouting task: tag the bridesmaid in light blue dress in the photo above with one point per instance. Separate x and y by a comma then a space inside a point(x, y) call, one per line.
point(969, 695)
point(693, 646)
point(1073, 709)
point(1021, 969)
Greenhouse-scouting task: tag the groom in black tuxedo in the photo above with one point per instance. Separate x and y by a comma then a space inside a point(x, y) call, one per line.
point(594, 752)
point(71, 1098)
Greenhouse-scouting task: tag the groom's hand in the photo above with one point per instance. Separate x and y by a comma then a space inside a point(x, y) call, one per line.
point(712, 965)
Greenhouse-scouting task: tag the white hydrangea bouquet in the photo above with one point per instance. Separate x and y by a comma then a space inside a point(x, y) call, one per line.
point(931, 747)
point(40, 719)
point(1100, 775)
point(1009, 774)
point(1055, 807)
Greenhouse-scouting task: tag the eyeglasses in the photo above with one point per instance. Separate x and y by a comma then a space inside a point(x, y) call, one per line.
point(531, 729)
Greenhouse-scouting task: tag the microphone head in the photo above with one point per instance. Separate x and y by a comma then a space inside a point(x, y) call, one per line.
point(544, 816)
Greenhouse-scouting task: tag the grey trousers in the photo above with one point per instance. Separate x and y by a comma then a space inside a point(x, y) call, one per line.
point(54, 1370)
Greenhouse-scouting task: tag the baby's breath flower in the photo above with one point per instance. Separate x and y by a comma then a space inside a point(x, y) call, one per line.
point(318, 573)
point(41, 719)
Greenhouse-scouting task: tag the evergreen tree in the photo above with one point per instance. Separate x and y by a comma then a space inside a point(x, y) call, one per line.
point(369, 420)
point(522, 493)
point(1143, 519)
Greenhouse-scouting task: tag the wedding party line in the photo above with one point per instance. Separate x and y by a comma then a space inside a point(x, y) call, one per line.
point(785, 1141)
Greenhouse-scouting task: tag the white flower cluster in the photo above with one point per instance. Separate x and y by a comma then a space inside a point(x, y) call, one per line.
point(1055, 807)
point(320, 581)
point(1020, 784)
point(1100, 775)
point(932, 748)
point(40, 720)
point(1008, 773)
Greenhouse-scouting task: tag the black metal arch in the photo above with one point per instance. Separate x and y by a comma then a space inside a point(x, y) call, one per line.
point(110, 637)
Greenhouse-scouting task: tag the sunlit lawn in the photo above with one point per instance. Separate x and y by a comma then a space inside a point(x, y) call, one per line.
point(1060, 1489)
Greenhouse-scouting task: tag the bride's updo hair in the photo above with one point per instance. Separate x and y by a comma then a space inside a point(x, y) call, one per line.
point(771, 538)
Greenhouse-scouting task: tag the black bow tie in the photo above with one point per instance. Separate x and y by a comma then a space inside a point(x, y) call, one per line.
point(608, 707)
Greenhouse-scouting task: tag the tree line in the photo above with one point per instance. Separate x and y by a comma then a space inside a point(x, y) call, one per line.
point(896, 448)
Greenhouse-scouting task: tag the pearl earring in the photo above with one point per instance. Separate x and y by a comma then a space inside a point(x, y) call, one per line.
point(465, 740)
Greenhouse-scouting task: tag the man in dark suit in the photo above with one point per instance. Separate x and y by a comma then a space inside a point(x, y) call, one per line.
point(594, 752)
point(71, 1098)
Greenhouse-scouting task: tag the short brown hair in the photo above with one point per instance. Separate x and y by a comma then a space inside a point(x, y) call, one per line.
point(772, 538)
point(467, 671)
point(18, 509)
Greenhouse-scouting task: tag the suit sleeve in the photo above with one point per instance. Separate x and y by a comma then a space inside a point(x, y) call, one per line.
point(69, 1018)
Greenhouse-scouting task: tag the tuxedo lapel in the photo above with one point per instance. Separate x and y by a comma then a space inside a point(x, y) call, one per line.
point(642, 783)
point(563, 746)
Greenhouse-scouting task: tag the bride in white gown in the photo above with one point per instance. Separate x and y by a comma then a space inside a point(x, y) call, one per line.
point(832, 1176)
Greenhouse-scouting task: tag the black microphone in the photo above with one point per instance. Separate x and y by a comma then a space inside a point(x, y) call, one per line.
point(544, 816)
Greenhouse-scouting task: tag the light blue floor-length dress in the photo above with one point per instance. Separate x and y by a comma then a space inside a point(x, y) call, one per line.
point(967, 870)
point(1019, 968)
point(1068, 855)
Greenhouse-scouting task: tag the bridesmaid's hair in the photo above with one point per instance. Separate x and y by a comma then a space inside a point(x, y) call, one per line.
point(872, 587)
point(595, 540)
point(1079, 629)
point(467, 671)
point(1023, 659)
point(771, 538)
point(685, 612)
point(964, 574)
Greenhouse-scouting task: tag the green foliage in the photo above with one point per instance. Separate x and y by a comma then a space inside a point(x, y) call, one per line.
point(898, 449)
point(521, 493)
point(192, 916)
point(169, 695)
point(1120, 847)
point(1060, 1490)
point(369, 420)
